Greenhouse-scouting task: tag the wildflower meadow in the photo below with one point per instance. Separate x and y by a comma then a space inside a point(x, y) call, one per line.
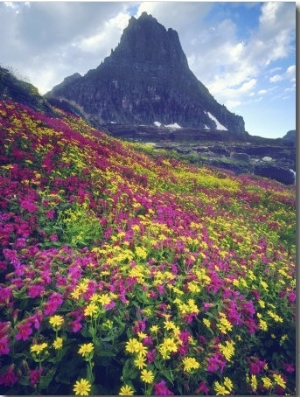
point(125, 271)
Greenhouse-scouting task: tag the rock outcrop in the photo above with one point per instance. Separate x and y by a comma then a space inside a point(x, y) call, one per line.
point(146, 79)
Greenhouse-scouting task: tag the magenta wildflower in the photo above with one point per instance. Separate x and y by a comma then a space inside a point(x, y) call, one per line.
point(151, 356)
point(160, 389)
point(35, 376)
point(24, 331)
point(292, 296)
point(9, 378)
point(202, 388)
point(4, 348)
point(28, 205)
point(35, 291)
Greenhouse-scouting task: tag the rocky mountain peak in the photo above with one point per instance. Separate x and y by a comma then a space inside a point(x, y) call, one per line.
point(147, 43)
point(147, 80)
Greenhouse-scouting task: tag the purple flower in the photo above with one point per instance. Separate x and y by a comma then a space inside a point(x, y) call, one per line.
point(160, 389)
point(9, 377)
point(24, 331)
point(4, 348)
point(35, 376)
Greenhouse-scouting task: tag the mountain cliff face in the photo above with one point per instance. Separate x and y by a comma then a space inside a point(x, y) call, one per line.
point(146, 79)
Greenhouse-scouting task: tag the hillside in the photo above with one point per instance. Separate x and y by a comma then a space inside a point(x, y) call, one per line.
point(126, 271)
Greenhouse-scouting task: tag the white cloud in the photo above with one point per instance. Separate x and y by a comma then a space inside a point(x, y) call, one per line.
point(276, 78)
point(289, 74)
point(112, 29)
point(262, 92)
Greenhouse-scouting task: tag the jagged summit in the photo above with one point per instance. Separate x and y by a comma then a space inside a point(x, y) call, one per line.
point(145, 42)
point(146, 80)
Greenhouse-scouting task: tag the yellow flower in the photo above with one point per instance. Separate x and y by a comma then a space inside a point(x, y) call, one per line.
point(224, 325)
point(91, 310)
point(267, 382)
point(86, 349)
point(154, 328)
point(263, 325)
point(220, 389)
point(56, 321)
point(147, 376)
point(104, 299)
point(38, 348)
point(57, 344)
point(82, 387)
point(227, 350)
point(140, 362)
point(189, 363)
point(253, 382)
point(228, 383)
point(279, 380)
point(126, 391)
point(206, 322)
point(133, 346)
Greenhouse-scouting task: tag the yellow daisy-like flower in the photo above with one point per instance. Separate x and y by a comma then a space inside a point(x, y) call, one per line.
point(228, 383)
point(147, 376)
point(86, 349)
point(126, 391)
point(154, 328)
point(253, 382)
point(57, 344)
point(220, 389)
point(263, 325)
point(189, 364)
point(82, 387)
point(279, 380)
point(142, 335)
point(140, 362)
point(267, 382)
point(38, 348)
point(227, 350)
point(56, 321)
point(104, 299)
point(91, 310)
point(132, 345)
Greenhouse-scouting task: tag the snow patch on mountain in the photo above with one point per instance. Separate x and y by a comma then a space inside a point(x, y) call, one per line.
point(174, 125)
point(220, 126)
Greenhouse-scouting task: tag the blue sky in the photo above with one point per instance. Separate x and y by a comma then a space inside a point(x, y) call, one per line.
point(243, 52)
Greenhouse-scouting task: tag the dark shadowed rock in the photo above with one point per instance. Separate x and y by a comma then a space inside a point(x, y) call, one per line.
point(280, 174)
point(146, 79)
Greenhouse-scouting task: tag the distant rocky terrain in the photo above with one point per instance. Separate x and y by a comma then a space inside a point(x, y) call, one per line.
point(271, 158)
point(147, 80)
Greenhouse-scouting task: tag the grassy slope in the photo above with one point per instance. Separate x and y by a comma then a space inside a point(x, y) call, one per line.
point(117, 240)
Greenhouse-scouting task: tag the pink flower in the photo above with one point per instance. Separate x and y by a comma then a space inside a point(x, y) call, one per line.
point(35, 375)
point(28, 205)
point(4, 348)
point(24, 331)
point(292, 296)
point(50, 214)
point(151, 356)
point(160, 389)
point(202, 388)
point(9, 377)
point(35, 291)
